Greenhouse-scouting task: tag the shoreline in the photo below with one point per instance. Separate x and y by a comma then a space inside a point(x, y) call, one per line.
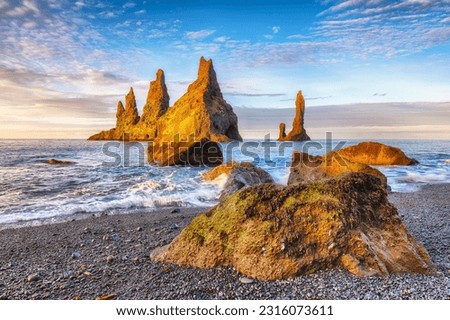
point(109, 254)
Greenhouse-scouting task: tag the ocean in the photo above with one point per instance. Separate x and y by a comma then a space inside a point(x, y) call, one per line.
point(114, 177)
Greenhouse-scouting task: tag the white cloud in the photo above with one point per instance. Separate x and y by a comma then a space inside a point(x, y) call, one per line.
point(275, 29)
point(383, 27)
point(108, 14)
point(198, 35)
point(222, 39)
point(298, 36)
point(129, 4)
point(21, 9)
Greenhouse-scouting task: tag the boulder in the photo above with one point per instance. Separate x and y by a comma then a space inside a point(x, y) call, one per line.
point(374, 153)
point(306, 168)
point(298, 132)
point(239, 175)
point(185, 153)
point(272, 232)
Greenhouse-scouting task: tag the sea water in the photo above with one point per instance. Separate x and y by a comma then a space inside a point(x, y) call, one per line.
point(115, 177)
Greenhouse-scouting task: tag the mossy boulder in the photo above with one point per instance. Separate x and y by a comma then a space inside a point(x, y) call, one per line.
point(238, 175)
point(272, 232)
point(375, 153)
point(305, 167)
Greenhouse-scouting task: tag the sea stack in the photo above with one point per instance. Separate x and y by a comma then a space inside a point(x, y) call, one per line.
point(298, 132)
point(189, 131)
point(131, 115)
point(201, 114)
point(157, 100)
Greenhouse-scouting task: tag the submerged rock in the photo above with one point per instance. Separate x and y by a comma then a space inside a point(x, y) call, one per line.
point(307, 168)
point(56, 161)
point(375, 153)
point(298, 132)
point(239, 175)
point(272, 232)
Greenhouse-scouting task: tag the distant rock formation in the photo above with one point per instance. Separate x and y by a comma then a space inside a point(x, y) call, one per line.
point(374, 153)
point(201, 112)
point(273, 232)
point(308, 168)
point(238, 175)
point(298, 132)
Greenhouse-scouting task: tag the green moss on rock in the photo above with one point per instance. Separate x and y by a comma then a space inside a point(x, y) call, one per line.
point(271, 232)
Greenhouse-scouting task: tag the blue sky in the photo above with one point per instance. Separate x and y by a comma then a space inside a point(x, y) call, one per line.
point(64, 64)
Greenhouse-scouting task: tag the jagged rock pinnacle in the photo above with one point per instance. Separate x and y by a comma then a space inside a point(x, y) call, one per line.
point(119, 115)
point(206, 79)
point(298, 132)
point(131, 116)
point(157, 100)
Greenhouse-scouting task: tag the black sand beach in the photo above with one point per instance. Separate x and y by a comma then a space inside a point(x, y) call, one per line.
point(109, 255)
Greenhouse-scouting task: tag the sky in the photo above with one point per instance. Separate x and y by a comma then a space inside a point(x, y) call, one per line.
point(65, 64)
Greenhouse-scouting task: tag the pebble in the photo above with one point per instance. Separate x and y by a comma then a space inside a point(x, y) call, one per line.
point(246, 280)
point(146, 279)
point(76, 255)
point(34, 277)
point(109, 259)
point(174, 226)
point(177, 210)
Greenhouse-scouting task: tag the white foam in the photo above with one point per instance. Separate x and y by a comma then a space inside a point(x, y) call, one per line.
point(416, 177)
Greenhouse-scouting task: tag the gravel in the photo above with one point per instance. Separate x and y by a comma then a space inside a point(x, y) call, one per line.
point(112, 260)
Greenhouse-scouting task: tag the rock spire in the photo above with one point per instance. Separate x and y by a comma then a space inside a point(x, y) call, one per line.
point(298, 132)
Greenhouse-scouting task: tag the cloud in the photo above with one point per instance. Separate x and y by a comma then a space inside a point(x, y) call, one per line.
point(108, 14)
point(275, 29)
point(23, 8)
point(129, 4)
point(378, 24)
point(298, 36)
point(198, 35)
point(143, 11)
point(222, 39)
